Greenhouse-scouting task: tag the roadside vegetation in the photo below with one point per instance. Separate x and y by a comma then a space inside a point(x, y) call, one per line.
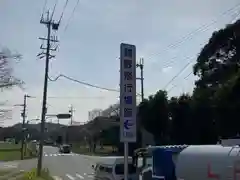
point(32, 175)
point(11, 151)
point(11, 174)
point(15, 174)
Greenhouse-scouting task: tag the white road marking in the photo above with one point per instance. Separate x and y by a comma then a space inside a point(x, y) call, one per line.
point(80, 176)
point(84, 174)
point(70, 177)
point(57, 154)
point(10, 165)
point(57, 178)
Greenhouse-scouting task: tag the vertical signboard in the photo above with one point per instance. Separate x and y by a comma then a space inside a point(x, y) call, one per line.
point(127, 93)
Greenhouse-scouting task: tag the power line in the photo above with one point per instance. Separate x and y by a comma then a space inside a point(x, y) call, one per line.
point(44, 6)
point(199, 29)
point(76, 97)
point(178, 73)
point(68, 22)
point(190, 37)
point(83, 83)
point(189, 63)
point(54, 8)
point(66, 3)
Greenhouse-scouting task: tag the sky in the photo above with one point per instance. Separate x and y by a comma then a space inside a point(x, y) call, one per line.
point(167, 34)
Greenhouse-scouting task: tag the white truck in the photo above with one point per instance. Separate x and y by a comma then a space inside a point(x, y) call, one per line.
point(189, 162)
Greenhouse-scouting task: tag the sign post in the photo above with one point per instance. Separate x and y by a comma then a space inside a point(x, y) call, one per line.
point(128, 125)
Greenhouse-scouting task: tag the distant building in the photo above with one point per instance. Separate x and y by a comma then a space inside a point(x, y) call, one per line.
point(94, 113)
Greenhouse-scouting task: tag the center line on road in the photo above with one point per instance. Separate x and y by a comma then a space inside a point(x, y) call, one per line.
point(70, 177)
point(78, 175)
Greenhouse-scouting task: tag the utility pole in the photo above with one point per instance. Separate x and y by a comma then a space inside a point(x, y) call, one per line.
point(23, 114)
point(140, 65)
point(71, 113)
point(51, 40)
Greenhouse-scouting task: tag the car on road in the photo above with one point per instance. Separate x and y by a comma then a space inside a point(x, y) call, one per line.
point(112, 168)
point(65, 148)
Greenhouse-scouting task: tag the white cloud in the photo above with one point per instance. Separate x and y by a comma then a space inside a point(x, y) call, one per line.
point(167, 69)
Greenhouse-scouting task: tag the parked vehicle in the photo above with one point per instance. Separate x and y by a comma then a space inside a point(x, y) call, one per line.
point(112, 168)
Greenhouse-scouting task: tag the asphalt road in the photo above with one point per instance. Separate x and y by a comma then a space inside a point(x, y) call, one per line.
point(62, 166)
point(67, 166)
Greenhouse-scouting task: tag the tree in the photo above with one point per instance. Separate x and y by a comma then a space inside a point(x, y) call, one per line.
point(7, 80)
point(182, 126)
point(218, 70)
point(153, 114)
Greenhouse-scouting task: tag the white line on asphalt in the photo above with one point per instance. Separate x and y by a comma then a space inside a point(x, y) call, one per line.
point(57, 178)
point(78, 175)
point(70, 177)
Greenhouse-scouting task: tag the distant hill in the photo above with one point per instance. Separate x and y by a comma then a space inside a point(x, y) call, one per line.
point(48, 126)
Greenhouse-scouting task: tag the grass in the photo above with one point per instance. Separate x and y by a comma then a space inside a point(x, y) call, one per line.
point(10, 152)
point(32, 175)
point(9, 175)
point(8, 146)
point(105, 151)
point(4, 172)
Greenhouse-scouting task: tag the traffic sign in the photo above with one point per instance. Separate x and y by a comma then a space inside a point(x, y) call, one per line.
point(127, 124)
point(63, 116)
point(127, 93)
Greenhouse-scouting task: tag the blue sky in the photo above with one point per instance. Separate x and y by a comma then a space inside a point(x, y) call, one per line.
point(89, 47)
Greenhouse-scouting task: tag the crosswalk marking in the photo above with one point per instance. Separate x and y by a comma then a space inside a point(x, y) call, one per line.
point(70, 177)
point(58, 154)
point(78, 175)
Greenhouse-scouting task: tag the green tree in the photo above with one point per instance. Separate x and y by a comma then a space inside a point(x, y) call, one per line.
point(216, 90)
point(153, 114)
point(180, 112)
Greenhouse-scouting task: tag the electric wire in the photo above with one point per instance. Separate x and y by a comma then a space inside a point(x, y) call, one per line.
point(83, 83)
point(44, 6)
point(54, 8)
point(71, 16)
point(199, 29)
point(189, 63)
point(66, 3)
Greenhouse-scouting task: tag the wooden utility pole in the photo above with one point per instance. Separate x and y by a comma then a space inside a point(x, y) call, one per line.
point(23, 114)
point(50, 47)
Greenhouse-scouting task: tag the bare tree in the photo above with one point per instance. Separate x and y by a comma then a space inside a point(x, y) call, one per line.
point(7, 80)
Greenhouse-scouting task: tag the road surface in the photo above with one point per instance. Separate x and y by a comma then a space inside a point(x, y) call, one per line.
point(62, 166)
point(67, 166)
